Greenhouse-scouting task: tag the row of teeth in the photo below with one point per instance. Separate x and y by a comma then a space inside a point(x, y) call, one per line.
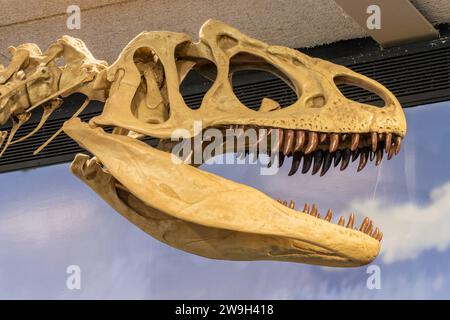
point(320, 150)
point(366, 227)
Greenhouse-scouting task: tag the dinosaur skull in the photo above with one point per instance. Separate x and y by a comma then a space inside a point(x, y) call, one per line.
point(208, 215)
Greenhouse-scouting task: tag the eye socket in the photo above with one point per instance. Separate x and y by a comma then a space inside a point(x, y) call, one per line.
point(353, 90)
point(260, 85)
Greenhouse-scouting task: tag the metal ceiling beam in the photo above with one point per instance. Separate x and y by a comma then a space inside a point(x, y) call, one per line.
point(389, 22)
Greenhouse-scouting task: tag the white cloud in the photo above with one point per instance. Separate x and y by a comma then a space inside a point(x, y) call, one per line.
point(409, 229)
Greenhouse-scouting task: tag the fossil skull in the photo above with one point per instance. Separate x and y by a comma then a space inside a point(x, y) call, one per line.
point(208, 215)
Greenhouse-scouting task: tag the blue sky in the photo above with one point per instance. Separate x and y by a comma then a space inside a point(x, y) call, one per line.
point(50, 220)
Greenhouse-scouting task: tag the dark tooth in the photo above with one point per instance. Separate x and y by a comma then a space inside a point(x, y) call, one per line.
point(313, 141)
point(285, 203)
point(374, 141)
point(337, 157)
point(351, 220)
point(318, 158)
point(388, 142)
point(390, 153)
point(329, 215)
point(326, 163)
point(281, 159)
point(292, 204)
point(314, 210)
point(372, 155)
point(363, 158)
point(319, 216)
point(279, 200)
point(306, 208)
point(345, 159)
point(341, 221)
point(379, 156)
point(295, 163)
point(344, 136)
point(355, 141)
point(398, 144)
point(307, 161)
point(289, 142)
point(300, 139)
point(355, 154)
point(334, 142)
point(364, 224)
point(322, 137)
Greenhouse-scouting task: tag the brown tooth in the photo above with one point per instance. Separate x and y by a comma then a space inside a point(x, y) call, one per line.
point(364, 224)
point(337, 157)
point(369, 227)
point(398, 144)
point(289, 142)
point(295, 163)
point(351, 220)
point(300, 139)
point(313, 210)
point(374, 141)
point(326, 163)
point(344, 136)
point(345, 159)
point(329, 215)
point(280, 138)
point(334, 142)
point(292, 205)
point(319, 216)
point(379, 156)
point(380, 236)
point(322, 137)
point(307, 161)
point(341, 221)
point(363, 158)
point(306, 208)
point(375, 233)
point(285, 203)
point(313, 141)
point(318, 159)
point(355, 154)
point(388, 142)
point(355, 141)
point(390, 153)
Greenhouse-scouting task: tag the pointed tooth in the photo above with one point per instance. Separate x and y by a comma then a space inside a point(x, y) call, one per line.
point(314, 210)
point(326, 163)
point(345, 159)
point(307, 161)
point(292, 204)
point(398, 144)
point(306, 208)
point(334, 142)
point(363, 158)
point(372, 155)
point(313, 141)
point(351, 221)
point(289, 142)
point(374, 141)
point(337, 157)
point(279, 200)
point(300, 139)
point(390, 153)
point(322, 137)
point(285, 203)
point(341, 221)
point(380, 236)
point(295, 163)
point(379, 156)
point(388, 142)
point(318, 158)
point(375, 233)
point(329, 215)
point(369, 227)
point(364, 224)
point(355, 141)
point(319, 216)
point(355, 154)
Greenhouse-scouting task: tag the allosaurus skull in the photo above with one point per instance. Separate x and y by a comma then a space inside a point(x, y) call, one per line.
point(208, 215)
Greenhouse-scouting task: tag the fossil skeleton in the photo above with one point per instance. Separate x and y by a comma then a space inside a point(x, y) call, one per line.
point(177, 203)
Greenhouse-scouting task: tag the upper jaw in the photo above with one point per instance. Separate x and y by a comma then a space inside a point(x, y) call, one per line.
point(202, 199)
